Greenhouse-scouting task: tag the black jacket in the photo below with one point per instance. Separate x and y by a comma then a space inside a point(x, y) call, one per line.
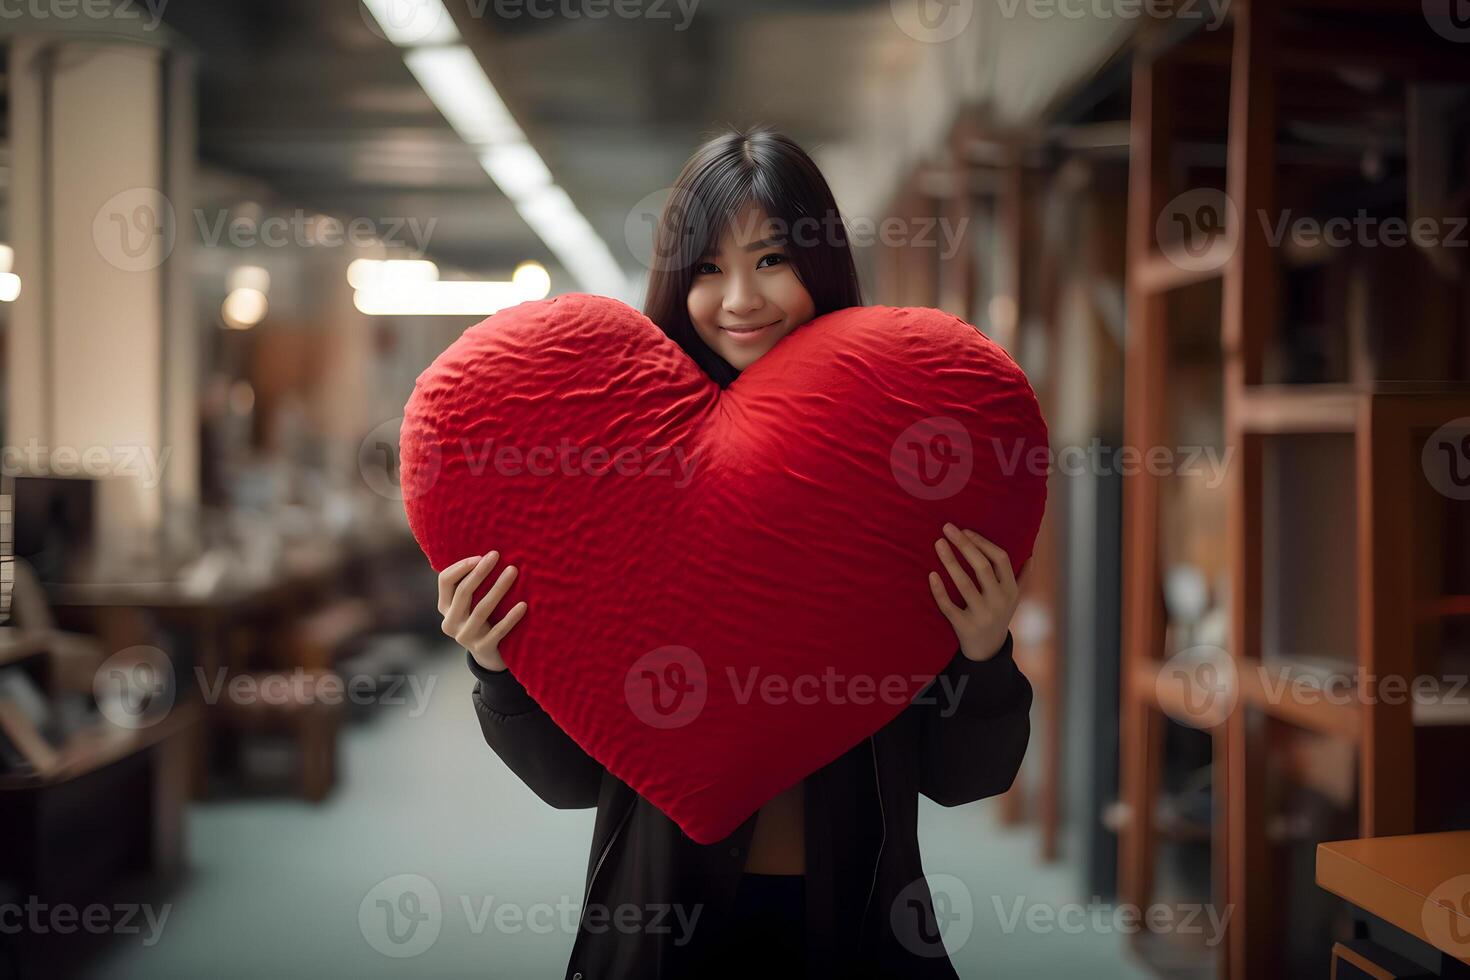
point(869, 911)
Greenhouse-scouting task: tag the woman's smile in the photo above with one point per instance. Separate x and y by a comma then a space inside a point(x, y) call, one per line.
point(742, 333)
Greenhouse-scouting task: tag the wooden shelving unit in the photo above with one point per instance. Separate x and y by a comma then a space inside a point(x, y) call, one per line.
point(983, 179)
point(1387, 423)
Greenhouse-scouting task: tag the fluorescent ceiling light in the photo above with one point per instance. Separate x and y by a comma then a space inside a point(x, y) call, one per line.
point(453, 79)
point(362, 273)
point(411, 22)
point(457, 84)
point(441, 298)
point(516, 168)
point(547, 206)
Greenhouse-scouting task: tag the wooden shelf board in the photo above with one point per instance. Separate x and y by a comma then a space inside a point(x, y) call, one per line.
point(1159, 274)
point(1299, 408)
point(1267, 686)
point(101, 745)
point(1443, 606)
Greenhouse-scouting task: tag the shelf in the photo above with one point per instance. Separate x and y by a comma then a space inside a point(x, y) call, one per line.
point(1159, 274)
point(1429, 610)
point(1335, 712)
point(99, 745)
point(1263, 685)
point(17, 644)
point(1266, 686)
point(1299, 408)
point(1312, 408)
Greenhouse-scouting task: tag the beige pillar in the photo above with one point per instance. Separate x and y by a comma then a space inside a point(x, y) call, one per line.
point(102, 367)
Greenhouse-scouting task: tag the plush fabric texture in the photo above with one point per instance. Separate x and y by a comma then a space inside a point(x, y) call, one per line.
point(726, 589)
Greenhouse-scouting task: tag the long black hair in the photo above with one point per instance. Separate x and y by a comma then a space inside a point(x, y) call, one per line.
point(733, 168)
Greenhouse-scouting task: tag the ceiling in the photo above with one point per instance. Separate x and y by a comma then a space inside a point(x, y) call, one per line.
point(308, 100)
point(308, 97)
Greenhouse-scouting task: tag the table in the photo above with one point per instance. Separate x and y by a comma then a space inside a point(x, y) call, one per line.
point(1417, 882)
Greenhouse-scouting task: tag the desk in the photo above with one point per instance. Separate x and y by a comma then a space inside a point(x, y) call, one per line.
point(1417, 882)
point(305, 574)
point(17, 644)
point(251, 611)
point(113, 804)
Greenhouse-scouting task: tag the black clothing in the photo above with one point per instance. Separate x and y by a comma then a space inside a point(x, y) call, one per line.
point(766, 935)
point(868, 912)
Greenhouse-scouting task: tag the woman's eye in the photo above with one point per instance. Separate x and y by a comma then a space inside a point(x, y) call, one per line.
point(779, 258)
point(704, 268)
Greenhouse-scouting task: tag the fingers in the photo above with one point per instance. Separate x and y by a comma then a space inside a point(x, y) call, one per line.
point(951, 612)
point(999, 560)
point(450, 577)
point(984, 573)
point(500, 629)
point(961, 578)
point(459, 605)
point(491, 599)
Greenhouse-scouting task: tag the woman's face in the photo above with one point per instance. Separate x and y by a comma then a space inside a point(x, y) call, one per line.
point(745, 295)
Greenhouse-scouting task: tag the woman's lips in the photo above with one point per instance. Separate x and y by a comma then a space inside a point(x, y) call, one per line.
point(743, 334)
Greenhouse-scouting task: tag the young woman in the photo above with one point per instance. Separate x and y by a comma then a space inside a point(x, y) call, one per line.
point(825, 879)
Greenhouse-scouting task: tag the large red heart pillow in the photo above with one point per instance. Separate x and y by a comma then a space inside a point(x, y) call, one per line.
point(726, 589)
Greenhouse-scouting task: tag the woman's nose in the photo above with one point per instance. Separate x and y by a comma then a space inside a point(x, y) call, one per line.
point(740, 298)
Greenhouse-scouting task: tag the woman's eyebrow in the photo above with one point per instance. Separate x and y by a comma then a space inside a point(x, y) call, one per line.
point(764, 243)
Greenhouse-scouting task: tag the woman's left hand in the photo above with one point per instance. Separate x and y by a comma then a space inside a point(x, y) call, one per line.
point(990, 597)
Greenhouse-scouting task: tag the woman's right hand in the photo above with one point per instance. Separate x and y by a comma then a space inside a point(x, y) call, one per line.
point(472, 629)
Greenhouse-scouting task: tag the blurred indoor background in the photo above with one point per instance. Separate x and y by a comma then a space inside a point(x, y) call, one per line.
point(1226, 239)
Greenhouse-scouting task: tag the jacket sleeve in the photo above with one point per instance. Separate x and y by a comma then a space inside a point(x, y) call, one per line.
point(535, 748)
point(975, 725)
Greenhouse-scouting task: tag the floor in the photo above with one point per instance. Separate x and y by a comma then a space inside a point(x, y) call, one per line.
point(281, 888)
